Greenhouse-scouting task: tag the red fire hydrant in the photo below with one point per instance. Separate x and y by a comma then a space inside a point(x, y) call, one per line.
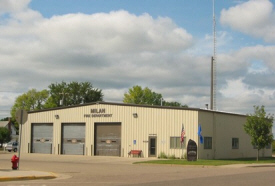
point(14, 161)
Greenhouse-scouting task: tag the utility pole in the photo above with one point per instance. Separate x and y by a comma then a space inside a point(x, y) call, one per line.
point(213, 65)
point(62, 100)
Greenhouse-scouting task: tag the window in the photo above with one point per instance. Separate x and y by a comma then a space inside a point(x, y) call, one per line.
point(207, 142)
point(235, 143)
point(175, 143)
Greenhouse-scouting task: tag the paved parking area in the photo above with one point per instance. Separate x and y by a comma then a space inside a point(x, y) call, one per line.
point(84, 170)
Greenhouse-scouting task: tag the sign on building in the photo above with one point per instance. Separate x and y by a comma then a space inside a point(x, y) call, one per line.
point(192, 150)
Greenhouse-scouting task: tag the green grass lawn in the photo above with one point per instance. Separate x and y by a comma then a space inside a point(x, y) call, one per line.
point(209, 162)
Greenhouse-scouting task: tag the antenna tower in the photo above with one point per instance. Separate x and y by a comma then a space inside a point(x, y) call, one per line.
point(213, 64)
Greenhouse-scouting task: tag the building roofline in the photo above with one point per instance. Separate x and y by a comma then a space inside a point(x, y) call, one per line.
point(133, 105)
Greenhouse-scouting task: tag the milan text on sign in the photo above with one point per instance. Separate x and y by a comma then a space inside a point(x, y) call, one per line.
point(97, 113)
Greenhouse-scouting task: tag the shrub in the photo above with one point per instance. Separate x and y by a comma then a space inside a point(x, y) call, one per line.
point(172, 156)
point(184, 156)
point(162, 155)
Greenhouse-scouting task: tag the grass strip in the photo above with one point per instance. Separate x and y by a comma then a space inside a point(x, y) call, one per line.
point(209, 162)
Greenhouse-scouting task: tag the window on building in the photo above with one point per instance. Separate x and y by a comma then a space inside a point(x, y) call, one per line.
point(207, 142)
point(175, 143)
point(235, 143)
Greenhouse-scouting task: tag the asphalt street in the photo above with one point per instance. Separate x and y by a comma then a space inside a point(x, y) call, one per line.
point(99, 171)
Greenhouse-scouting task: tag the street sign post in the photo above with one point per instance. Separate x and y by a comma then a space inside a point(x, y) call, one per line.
point(21, 118)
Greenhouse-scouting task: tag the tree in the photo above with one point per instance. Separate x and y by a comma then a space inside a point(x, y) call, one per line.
point(259, 126)
point(32, 100)
point(72, 94)
point(4, 119)
point(146, 96)
point(5, 135)
point(174, 104)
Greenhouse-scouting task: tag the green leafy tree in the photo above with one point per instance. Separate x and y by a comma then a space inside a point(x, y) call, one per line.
point(174, 104)
point(5, 135)
point(4, 119)
point(259, 125)
point(29, 101)
point(146, 96)
point(72, 94)
point(57, 92)
point(32, 100)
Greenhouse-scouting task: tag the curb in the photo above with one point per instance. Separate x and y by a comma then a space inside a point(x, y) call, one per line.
point(33, 177)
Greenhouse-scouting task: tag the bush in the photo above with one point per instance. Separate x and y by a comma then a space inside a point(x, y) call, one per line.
point(172, 157)
point(162, 155)
point(5, 135)
point(273, 146)
point(184, 156)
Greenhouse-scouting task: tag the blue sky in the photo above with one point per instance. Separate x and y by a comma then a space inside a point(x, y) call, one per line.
point(195, 16)
point(160, 44)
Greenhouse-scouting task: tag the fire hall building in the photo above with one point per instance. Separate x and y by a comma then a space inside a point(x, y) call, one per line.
point(114, 129)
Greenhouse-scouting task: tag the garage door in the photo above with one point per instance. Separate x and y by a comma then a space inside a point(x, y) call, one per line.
point(42, 135)
point(73, 138)
point(108, 139)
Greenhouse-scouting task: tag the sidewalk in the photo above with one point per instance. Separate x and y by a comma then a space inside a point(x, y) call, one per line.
point(14, 175)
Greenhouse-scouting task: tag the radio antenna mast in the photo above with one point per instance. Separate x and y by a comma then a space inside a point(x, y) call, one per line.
point(213, 64)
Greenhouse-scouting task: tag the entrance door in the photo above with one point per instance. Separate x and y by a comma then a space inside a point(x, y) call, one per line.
point(152, 146)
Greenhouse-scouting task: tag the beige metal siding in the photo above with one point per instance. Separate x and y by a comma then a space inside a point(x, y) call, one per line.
point(159, 122)
point(222, 128)
point(206, 120)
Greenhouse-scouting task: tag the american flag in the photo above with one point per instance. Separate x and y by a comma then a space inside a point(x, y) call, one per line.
point(182, 134)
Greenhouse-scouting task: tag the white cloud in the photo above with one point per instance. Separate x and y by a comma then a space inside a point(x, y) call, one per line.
point(242, 62)
point(101, 33)
point(255, 17)
point(13, 6)
point(112, 50)
point(235, 88)
point(238, 97)
point(117, 50)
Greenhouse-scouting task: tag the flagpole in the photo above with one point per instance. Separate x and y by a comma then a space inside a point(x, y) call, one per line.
point(198, 144)
point(182, 153)
point(175, 139)
point(182, 138)
point(200, 138)
point(182, 144)
point(198, 141)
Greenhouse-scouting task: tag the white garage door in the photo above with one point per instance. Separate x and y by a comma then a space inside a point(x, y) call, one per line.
point(42, 135)
point(73, 138)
